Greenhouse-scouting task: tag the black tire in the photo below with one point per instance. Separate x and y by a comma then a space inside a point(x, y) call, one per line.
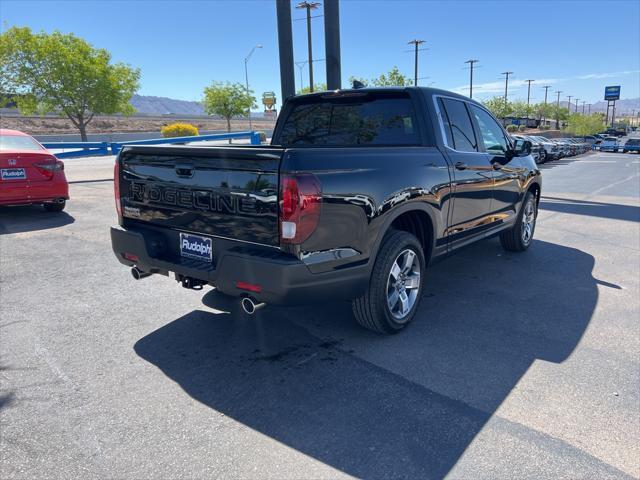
point(372, 310)
point(515, 239)
point(55, 207)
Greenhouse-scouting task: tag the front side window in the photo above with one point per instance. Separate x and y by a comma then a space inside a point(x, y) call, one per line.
point(490, 132)
point(345, 121)
point(456, 118)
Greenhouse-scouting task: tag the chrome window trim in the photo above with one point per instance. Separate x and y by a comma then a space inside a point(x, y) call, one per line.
point(442, 132)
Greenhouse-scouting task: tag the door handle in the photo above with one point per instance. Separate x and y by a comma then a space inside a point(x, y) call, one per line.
point(461, 166)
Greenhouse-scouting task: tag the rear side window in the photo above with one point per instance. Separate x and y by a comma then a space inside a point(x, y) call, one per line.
point(18, 142)
point(347, 121)
point(457, 119)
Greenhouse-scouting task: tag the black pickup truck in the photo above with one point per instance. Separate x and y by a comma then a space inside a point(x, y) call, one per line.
point(359, 190)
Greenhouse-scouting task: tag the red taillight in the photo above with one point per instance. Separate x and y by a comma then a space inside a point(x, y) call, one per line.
point(48, 169)
point(116, 187)
point(250, 287)
point(131, 257)
point(300, 198)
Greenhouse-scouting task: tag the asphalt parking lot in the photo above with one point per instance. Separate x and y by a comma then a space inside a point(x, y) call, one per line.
point(517, 365)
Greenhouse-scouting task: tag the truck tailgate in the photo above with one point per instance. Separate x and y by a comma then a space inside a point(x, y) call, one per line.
point(230, 192)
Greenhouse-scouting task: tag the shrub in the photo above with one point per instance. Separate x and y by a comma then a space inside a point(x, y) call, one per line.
point(512, 128)
point(521, 128)
point(544, 127)
point(263, 137)
point(179, 130)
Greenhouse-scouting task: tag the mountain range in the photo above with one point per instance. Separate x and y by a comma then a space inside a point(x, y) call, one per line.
point(150, 105)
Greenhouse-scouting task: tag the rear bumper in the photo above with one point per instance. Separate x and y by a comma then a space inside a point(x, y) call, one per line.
point(283, 278)
point(27, 192)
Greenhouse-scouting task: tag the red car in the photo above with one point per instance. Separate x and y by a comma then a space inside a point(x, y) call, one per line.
point(30, 174)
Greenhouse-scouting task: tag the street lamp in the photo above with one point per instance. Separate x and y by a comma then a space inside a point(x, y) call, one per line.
point(246, 78)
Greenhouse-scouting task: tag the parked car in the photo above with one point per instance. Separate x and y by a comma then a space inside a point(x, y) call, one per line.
point(537, 149)
point(609, 144)
point(358, 191)
point(551, 149)
point(564, 147)
point(631, 145)
point(30, 174)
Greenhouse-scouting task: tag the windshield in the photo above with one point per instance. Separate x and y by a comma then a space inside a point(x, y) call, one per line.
point(365, 119)
point(18, 142)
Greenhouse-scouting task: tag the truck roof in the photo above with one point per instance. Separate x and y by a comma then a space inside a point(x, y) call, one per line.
point(426, 91)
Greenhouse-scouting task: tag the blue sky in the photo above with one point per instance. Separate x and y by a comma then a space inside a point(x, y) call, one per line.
point(181, 46)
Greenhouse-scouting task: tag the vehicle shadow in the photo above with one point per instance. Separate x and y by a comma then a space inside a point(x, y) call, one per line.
point(615, 211)
point(403, 406)
point(30, 218)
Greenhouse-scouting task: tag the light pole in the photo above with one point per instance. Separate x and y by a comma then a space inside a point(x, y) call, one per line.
point(308, 6)
point(506, 84)
point(417, 44)
point(246, 78)
point(471, 62)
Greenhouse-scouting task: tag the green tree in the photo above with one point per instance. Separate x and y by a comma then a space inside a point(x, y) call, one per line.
point(63, 73)
point(392, 79)
point(318, 87)
point(561, 114)
point(582, 125)
point(228, 100)
point(521, 109)
point(542, 110)
point(499, 107)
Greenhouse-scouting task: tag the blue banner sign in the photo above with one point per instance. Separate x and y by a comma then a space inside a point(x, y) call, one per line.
point(612, 93)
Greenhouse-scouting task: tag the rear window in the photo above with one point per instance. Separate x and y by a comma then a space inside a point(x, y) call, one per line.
point(18, 142)
point(346, 121)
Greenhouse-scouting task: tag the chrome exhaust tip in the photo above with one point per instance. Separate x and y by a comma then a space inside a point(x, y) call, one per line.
point(139, 274)
point(249, 305)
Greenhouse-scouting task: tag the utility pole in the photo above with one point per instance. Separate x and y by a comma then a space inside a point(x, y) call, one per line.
point(471, 62)
point(246, 78)
point(546, 90)
point(558, 110)
point(583, 103)
point(529, 90)
point(576, 110)
point(417, 44)
point(506, 84)
point(308, 6)
point(569, 106)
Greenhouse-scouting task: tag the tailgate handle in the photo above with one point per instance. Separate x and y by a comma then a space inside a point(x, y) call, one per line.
point(184, 170)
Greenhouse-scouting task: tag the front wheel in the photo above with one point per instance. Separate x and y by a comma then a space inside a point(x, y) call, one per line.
point(395, 288)
point(518, 238)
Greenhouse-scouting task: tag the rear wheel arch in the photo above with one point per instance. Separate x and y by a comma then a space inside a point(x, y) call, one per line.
point(417, 219)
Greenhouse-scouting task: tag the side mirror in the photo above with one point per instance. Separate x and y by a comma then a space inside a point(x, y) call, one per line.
point(522, 148)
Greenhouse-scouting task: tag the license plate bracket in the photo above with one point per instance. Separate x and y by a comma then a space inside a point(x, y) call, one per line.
point(196, 247)
point(13, 174)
